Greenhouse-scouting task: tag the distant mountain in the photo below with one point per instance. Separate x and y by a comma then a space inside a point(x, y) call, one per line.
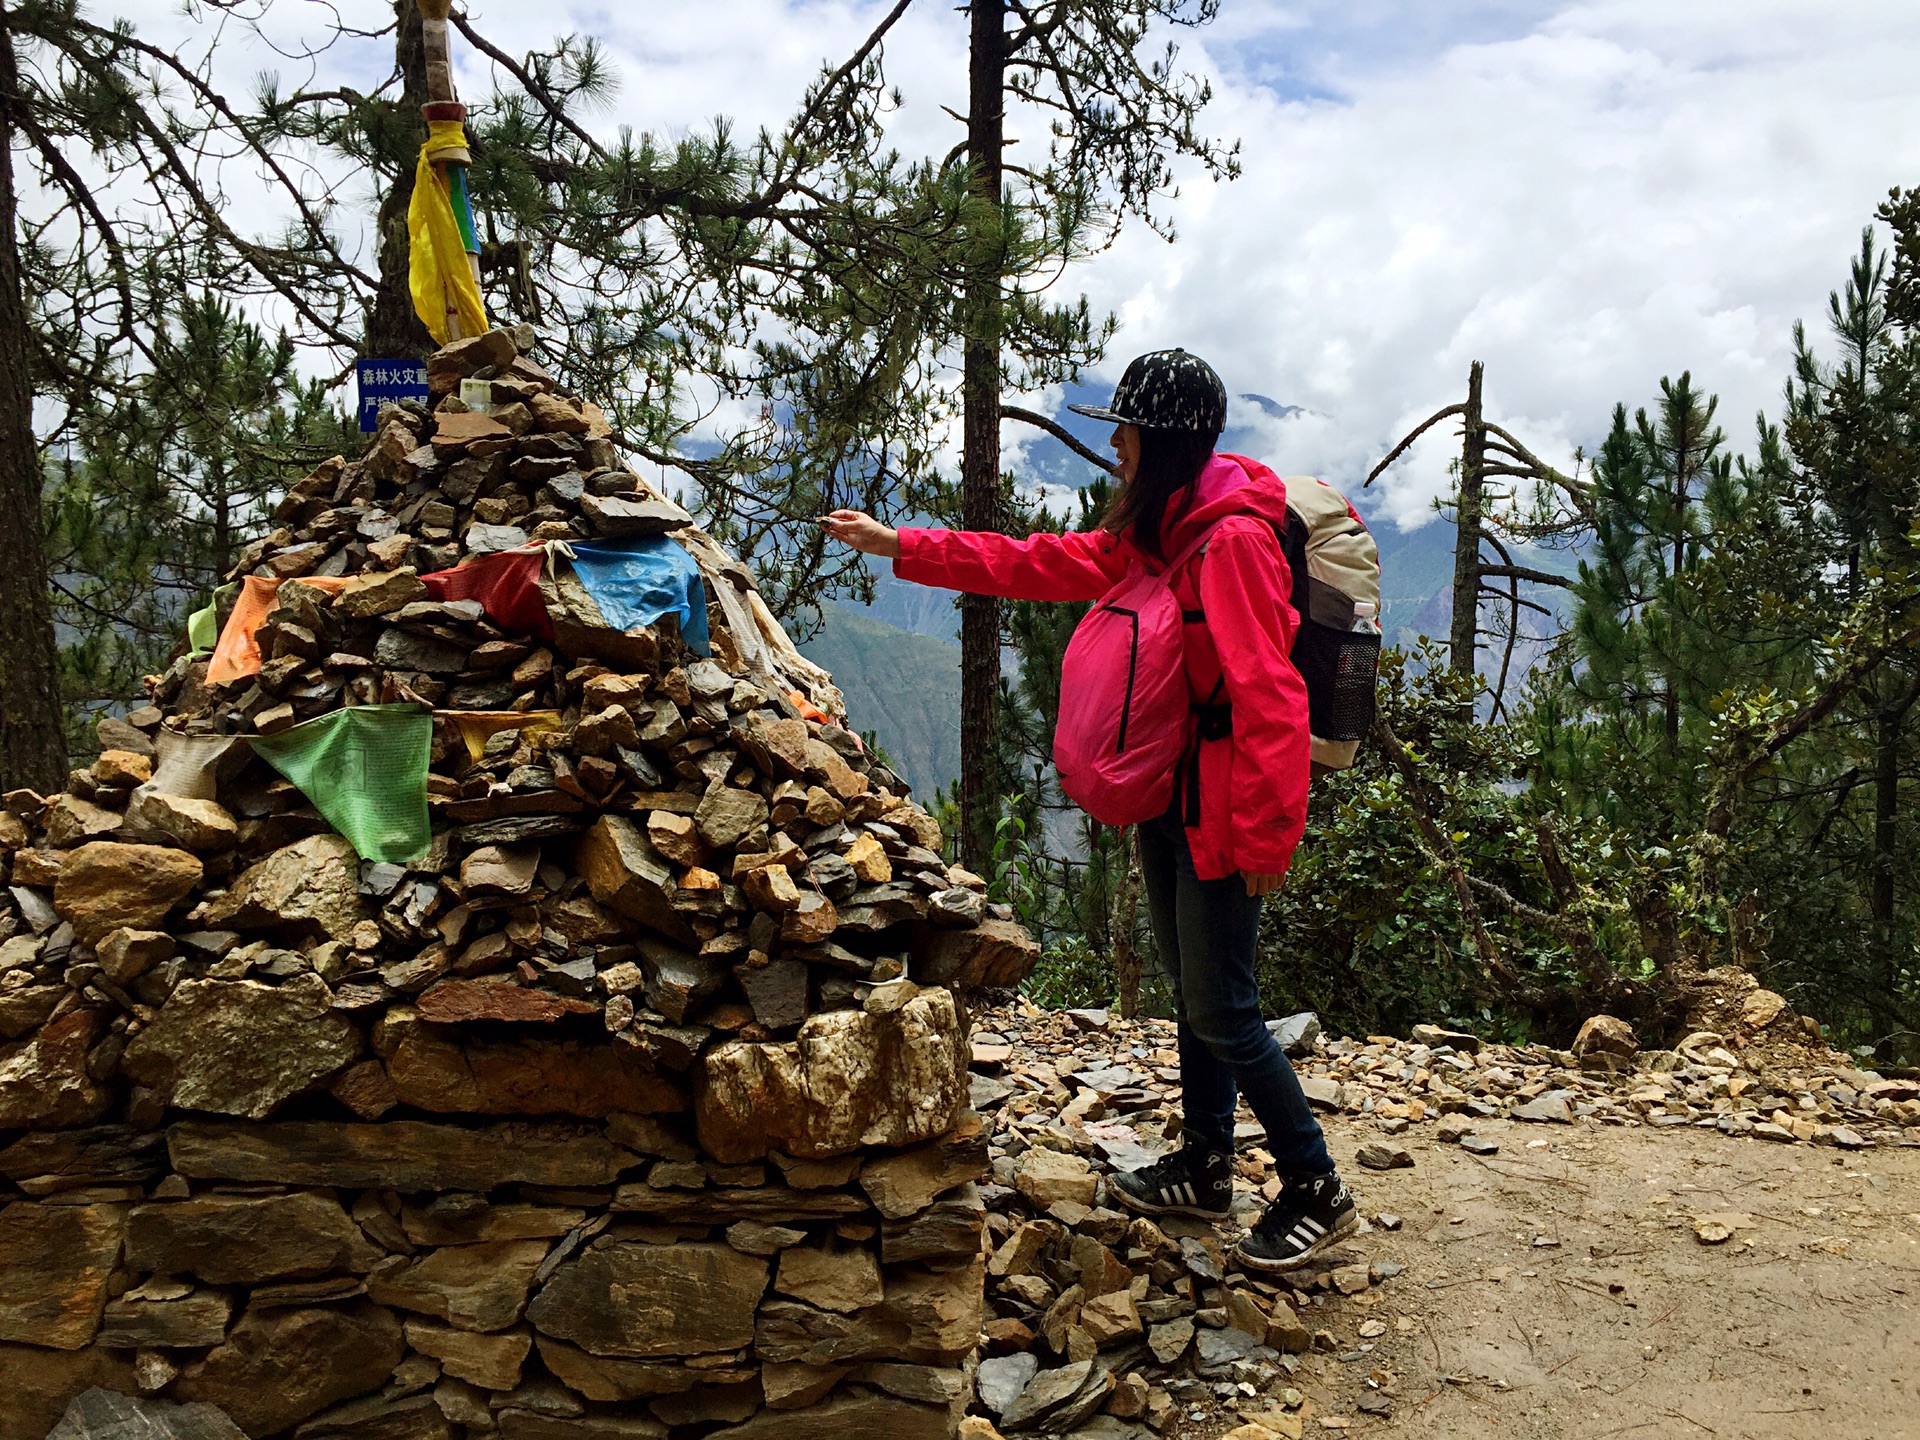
point(1416, 572)
point(1274, 407)
point(1416, 597)
point(902, 686)
point(920, 609)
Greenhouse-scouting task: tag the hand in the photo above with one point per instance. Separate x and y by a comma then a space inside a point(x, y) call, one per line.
point(1258, 885)
point(863, 532)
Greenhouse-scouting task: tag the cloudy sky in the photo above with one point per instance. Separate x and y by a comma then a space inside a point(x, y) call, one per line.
point(1585, 196)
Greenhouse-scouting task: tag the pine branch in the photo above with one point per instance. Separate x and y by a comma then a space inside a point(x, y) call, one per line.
point(83, 197)
point(1062, 434)
point(838, 77)
point(556, 109)
point(1411, 436)
point(217, 103)
point(1522, 572)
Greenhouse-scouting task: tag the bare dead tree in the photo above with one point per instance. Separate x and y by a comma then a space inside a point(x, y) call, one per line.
point(1486, 517)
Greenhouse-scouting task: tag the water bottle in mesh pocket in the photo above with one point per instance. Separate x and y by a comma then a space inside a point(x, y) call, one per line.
point(1340, 668)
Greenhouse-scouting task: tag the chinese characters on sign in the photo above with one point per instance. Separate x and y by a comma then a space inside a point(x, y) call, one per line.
point(383, 382)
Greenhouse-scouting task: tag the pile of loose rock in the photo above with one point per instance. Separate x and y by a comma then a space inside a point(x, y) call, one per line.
point(1102, 1322)
point(1763, 1075)
point(1106, 1324)
point(636, 1106)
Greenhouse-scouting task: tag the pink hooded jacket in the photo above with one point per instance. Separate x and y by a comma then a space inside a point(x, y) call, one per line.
point(1252, 782)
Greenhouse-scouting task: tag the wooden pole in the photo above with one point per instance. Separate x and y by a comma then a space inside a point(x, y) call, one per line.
point(444, 104)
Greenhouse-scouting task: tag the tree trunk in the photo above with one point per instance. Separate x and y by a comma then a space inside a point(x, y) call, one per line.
point(1659, 931)
point(1889, 732)
point(223, 556)
point(1600, 978)
point(981, 503)
point(394, 331)
point(1670, 695)
point(1679, 500)
point(1439, 843)
point(1886, 797)
point(1468, 508)
point(33, 749)
point(1126, 908)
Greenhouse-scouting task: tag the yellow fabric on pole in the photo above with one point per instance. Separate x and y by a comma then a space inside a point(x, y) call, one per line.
point(438, 263)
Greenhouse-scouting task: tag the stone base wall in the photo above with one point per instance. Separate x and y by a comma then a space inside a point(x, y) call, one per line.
point(528, 1279)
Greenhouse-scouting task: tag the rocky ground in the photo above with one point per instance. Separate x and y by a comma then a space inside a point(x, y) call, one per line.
point(1721, 1239)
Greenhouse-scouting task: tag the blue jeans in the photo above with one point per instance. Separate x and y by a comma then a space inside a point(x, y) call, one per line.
point(1206, 932)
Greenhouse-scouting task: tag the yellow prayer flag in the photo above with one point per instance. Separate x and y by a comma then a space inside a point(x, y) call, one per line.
point(476, 725)
point(438, 262)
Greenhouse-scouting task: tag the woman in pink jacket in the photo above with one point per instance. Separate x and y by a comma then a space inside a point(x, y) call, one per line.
point(1240, 801)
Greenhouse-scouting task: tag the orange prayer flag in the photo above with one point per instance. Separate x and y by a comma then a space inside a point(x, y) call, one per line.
point(236, 656)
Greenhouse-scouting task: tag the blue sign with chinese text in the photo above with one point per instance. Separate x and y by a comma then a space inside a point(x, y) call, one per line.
point(383, 382)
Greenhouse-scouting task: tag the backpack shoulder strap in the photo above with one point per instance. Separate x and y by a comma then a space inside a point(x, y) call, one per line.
point(1192, 548)
point(1322, 520)
point(1292, 536)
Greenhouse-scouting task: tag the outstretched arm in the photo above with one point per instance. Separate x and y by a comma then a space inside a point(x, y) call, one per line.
point(1080, 565)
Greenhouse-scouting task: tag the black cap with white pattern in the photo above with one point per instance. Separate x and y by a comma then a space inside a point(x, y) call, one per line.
point(1166, 390)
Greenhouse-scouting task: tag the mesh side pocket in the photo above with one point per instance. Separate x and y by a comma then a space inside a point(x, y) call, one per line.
point(1341, 668)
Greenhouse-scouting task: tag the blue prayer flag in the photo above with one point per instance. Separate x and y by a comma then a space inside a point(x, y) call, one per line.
point(635, 582)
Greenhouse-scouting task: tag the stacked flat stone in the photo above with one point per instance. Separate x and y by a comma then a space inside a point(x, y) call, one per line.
point(637, 1108)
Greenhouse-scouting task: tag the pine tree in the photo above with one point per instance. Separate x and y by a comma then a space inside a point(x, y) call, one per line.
point(1852, 427)
point(1740, 670)
point(93, 254)
point(161, 488)
point(1640, 668)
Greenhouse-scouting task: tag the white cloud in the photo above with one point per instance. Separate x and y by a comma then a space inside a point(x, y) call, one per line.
point(1626, 190)
point(1585, 196)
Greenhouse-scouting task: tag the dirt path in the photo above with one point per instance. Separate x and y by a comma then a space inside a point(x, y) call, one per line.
point(1558, 1289)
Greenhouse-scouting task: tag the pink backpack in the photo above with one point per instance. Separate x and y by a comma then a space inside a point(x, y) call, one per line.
point(1124, 706)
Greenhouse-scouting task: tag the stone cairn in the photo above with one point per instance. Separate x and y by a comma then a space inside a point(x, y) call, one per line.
point(637, 1108)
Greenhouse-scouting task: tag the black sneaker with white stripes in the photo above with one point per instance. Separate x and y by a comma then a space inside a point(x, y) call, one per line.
point(1313, 1213)
point(1190, 1181)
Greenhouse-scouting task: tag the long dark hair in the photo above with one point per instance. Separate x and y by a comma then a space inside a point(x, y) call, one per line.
point(1151, 504)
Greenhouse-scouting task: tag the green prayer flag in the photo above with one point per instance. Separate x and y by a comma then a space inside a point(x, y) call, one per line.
point(203, 626)
point(365, 769)
point(202, 630)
